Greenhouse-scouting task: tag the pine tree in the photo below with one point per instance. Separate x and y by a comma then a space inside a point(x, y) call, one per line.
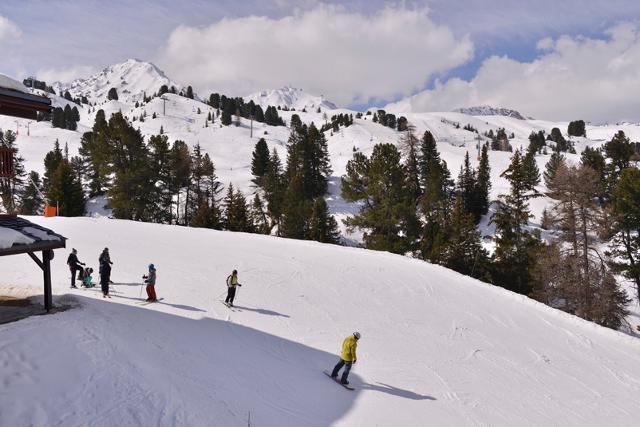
point(189, 92)
point(322, 226)
point(132, 189)
point(96, 153)
point(32, 202)
point(295, 210)
point(388, 216)
point(51, 162)
point(409, 145)
point(58, 119)
point(236, 213)
point(112, 94)
point(483, 184)
point(429, 155)
point(11, 189)
point(162, 194)
point(619, 152)
point(258, 216)
point(625, 246)
point(531, 171)
point(555, 161)
point(436, 200)
point(65, 191)
point(467, 186)
point(260, 162)
point(515, 246)
point(180, 171)
point(75, 114)
point(275, 185)
point(463, 251)
point(577, 128)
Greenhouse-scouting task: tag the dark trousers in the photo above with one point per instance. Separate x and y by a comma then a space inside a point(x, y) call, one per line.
point(231, 294)
point(104, 283)
point(345, 373)
point(74, 271)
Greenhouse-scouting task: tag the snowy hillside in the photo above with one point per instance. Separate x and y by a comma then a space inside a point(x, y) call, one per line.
point(291, 98)
point(230, 147)
point(131, 79)
point(438, 348)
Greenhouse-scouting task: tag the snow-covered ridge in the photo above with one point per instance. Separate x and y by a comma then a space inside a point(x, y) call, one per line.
point(132, 79)
point(486, 110)
point(291, 98)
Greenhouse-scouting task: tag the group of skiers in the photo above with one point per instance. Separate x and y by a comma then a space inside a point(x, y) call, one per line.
point(84, 273)
point(79, 269)
point(349, 345)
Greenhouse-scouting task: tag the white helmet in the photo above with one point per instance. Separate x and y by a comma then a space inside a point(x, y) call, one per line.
point(357, 335)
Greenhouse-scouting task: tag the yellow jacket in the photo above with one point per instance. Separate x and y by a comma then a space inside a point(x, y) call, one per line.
point(349, 349)
point(232, 281)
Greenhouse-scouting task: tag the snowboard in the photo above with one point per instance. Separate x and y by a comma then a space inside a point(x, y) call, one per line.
point(347, 386)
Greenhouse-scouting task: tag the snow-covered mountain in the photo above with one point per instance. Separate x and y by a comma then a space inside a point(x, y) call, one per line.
point(132, 79)
point(486, 110)
point(291, 98)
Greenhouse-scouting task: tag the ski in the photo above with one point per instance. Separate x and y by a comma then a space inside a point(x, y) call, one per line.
point(347, 386)
point(226, 304)
point(149, 302)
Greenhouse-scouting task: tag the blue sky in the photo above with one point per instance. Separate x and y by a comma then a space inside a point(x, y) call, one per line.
point(60, 35)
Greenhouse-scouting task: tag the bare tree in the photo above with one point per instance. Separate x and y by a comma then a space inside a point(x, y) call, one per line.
point(573, 274)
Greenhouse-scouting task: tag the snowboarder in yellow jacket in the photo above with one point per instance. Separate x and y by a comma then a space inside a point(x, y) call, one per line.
point(347, 357)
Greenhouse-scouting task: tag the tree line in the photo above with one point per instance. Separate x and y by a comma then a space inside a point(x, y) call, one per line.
point(411, 205)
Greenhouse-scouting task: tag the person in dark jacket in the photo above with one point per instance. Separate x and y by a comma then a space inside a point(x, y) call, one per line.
point(150, 280)
point(74, 265)
point(105, 272)
point(105, 260)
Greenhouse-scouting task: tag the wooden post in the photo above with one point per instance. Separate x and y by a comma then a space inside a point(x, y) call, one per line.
point(47, 256)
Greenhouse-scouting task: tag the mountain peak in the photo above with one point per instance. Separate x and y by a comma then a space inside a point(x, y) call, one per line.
point(132, 79)
point(290, 97)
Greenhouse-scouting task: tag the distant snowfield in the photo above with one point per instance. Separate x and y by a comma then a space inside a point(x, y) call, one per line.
point(438, 348)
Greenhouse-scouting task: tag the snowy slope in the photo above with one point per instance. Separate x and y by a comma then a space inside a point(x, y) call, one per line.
point(438, 348)
point(291, 98)
point(131, 79)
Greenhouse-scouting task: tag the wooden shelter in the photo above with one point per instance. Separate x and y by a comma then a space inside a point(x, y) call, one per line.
point(18, 235)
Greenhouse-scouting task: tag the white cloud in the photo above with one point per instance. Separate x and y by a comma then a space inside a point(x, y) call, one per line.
point(349, 57)
point(65, 75)
point(8, 30)
point(574, 77)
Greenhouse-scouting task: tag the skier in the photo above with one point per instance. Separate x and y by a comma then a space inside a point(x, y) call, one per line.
point(347, 357)
point(150, 280)
point(232, 282)
point(105, 264)
point(74, 265)
point(87, 280)
point(105, 274)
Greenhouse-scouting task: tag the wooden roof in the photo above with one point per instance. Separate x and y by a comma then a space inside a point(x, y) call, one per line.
point(42, 238)
point(20, 104)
